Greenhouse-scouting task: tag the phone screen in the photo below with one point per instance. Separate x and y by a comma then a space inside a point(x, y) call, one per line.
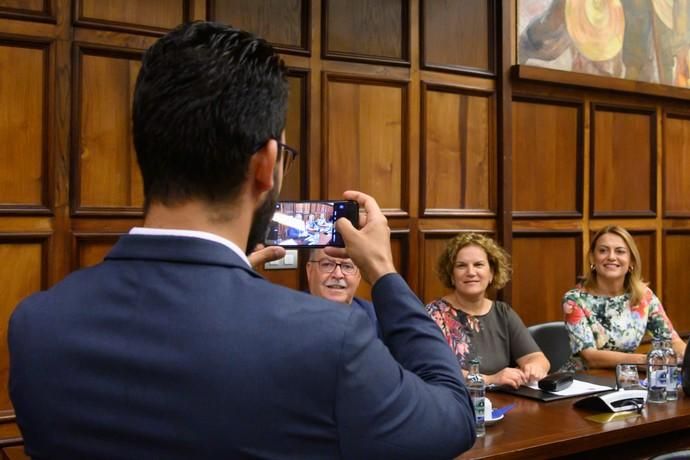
point(309, 224)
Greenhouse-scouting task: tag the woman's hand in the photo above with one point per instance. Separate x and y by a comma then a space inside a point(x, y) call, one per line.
point(535, 366)
point(534, 372)
point(510, 376)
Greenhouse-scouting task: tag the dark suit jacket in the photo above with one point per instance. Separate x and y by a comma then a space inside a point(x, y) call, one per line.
point(368, 308)
point(174, 348)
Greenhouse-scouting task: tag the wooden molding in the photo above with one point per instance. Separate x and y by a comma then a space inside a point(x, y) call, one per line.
point(550, 214)
point(103, 24)
point(454, 212)
point(45, 14)
point(568, 78)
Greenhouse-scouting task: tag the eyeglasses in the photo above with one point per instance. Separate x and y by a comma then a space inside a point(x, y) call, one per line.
point(328, 266)
point(288, 154)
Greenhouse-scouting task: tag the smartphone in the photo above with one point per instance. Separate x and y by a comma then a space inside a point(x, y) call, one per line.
point(309, 224)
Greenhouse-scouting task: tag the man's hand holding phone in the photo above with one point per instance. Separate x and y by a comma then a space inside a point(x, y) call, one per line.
point(261, 255)
point(370, 246)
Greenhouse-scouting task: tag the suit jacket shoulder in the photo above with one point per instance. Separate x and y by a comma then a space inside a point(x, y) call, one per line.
point(368, 308)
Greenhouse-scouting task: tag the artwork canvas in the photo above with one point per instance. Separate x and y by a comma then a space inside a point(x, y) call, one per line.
point(643, 40)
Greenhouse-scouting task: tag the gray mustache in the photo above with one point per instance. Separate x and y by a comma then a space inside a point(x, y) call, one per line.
point(337, 284)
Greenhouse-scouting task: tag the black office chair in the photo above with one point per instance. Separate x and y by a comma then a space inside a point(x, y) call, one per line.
point(553, 340)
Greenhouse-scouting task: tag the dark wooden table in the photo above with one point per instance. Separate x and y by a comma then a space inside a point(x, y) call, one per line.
point(534, 429)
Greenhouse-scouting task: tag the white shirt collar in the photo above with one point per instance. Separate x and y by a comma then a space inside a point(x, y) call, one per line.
point(191, 234)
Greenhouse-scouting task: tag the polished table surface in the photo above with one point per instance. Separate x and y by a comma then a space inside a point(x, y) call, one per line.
point(535, 429)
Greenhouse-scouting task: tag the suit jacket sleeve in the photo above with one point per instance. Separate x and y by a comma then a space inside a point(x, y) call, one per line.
point(404, 399)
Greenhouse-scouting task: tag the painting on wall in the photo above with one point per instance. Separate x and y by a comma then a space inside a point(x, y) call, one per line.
point(644, 40)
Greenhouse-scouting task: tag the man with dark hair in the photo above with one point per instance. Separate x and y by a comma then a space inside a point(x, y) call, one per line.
point(173, 347)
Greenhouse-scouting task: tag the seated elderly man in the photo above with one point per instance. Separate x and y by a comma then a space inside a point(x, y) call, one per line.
point(337, 280)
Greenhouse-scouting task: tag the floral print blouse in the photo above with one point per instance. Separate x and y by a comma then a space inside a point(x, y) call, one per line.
point(611, 323)
point(498, 338)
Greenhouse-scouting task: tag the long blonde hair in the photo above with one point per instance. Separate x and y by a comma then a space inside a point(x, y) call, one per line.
point(633, 284)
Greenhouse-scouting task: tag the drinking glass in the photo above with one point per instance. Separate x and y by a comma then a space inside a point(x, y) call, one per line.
point(627, 376)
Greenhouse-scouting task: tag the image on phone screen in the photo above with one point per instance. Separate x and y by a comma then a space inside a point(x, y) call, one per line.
point(302, 224)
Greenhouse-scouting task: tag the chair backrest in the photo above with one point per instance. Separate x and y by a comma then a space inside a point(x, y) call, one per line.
point(553, 340)
point(672, 455)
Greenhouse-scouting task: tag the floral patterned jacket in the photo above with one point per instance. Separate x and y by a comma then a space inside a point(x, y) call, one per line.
point(498, 338)
point(611, 323)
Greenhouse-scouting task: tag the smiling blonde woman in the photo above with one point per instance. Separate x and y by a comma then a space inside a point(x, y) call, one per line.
point(609, 315)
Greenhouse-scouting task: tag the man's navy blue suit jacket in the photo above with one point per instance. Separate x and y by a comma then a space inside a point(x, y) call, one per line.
point(174, 348)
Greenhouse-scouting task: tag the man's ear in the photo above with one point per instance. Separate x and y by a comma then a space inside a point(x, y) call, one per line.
point(262, 165)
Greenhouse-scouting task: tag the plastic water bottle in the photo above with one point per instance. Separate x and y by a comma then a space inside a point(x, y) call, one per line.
point(672, 370)
point(475, 383)
point(656, 373)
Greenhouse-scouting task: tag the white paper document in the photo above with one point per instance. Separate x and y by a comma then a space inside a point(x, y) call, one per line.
point(578, 387)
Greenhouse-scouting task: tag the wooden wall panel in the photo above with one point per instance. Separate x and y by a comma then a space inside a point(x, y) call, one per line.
point(432, 244)
point(14, 453)
point(547, 158)
point(143, 16)
point(105, 171)
point(284, 23)
point(35, 10)
point(25, 5)
point(29, 5)
point(23, 127)
point(448, 26)
point(676, 278)
point(366, 129)
point(399, 245)
point(295, 183)
point(91, 248)
point(367, 30)
point(676, 166)
point(20, 278)
point(458, 167)
point(545, 266)
point(646, 244)
point(623, 173)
